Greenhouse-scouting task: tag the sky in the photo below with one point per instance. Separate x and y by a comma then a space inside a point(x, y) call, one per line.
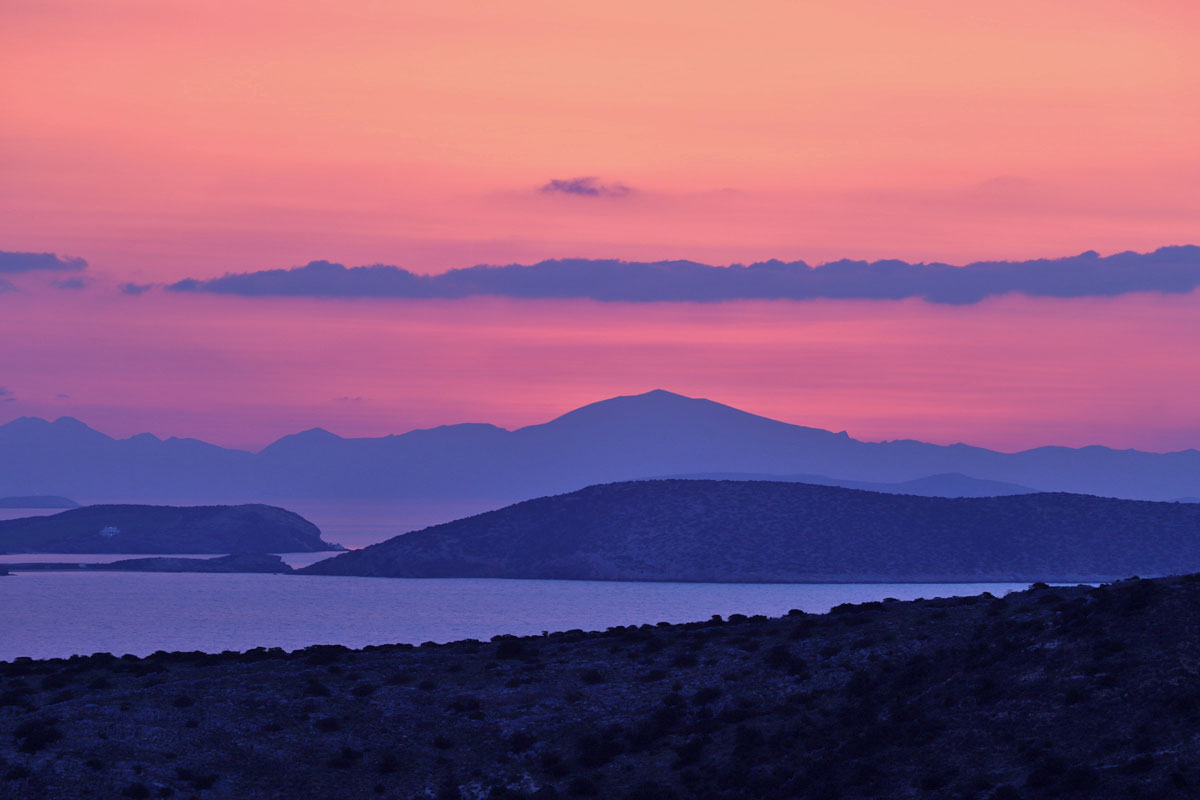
point(161, 142)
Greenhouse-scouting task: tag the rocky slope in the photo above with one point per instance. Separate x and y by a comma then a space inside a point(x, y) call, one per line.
point(748, 531)
point(164, 529)
point(1053, 692)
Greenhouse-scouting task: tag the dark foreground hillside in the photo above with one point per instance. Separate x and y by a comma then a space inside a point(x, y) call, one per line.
point(251, 528)
point(1072, 692)
point(761, 531)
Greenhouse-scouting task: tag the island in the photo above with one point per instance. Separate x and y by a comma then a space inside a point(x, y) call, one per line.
point(785, 532)
point(252, 528)
point(236, 562)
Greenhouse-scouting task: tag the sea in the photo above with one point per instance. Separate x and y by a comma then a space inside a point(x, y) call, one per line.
point(58, 614)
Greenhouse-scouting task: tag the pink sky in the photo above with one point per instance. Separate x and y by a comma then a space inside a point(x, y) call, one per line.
point(166, 140)
point(1008, 373)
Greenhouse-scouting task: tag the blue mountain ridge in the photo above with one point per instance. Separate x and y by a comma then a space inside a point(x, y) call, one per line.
point(658, 433)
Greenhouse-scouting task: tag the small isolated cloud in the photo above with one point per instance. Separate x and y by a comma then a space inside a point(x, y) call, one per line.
point(585, 187)
point(1170, 270)
point(5, 286)
point(347, 399)
point(61, 396)
point(136, 288)
point(6, 395)
point(71, 283)
point(30, 262)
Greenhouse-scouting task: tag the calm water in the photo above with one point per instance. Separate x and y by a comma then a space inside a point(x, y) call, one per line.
point(51, 614)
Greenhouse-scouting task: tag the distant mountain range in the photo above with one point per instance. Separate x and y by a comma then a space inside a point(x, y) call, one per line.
point(763, 531)
point(623, 438)
point(949, 484)
point(38, 501)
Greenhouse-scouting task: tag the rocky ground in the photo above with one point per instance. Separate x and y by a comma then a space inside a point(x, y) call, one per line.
point(1052, 692)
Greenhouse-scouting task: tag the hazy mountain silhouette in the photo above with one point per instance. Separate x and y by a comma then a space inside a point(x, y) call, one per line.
point(949, 484)
point(38, 501)
point(747, 531)
point(622, 438)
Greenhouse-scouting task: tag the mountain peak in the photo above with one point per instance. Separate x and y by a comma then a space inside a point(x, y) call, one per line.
point(313, 437)
point(24, 423)
point(70, 423)
point(68, 427)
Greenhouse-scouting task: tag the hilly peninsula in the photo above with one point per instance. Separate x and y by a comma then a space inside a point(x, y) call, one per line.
point(761, 531)
point(164, 529)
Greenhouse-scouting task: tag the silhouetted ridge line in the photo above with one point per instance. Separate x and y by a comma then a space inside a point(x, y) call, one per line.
point(658, 433)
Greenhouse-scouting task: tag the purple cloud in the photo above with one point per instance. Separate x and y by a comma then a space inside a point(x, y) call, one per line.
point(585, 187)
point(29, 262)
point(1172, 270)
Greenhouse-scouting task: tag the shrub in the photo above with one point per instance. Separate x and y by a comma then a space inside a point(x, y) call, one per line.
point(596, 751)
point(649, 790)
point(1081, 778)
point(508, 647)
point(36, 734)
point(521, 741)
point(323, 654)
point(328, 724)
point(16, 773)
point(581, 786)
point(1139, 764)
point(592, 676)
point(778, 657)
point(465, 703)
point(684, 661)
point(345, 758)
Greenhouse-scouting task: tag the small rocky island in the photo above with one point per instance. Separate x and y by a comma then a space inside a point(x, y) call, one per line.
point(1082, 692)
point(763, 531)
point(237, 562)
point(250, 528)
